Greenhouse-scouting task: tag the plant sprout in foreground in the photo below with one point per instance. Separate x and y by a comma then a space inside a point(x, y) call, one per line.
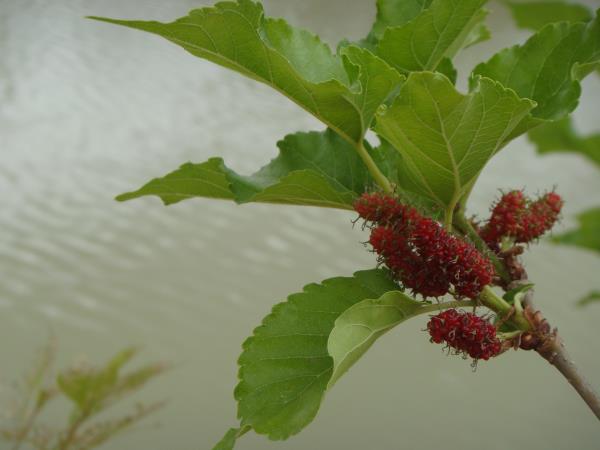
point(411, 191)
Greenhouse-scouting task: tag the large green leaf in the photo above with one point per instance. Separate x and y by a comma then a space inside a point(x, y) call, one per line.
point(445, 137)
point(561, 136)
point(315, 169)
point(535, 15)
point(361, 325)
point(238, 36)
point(285, 367)
point(439, 31)
point(587, 235)
point(548, 68)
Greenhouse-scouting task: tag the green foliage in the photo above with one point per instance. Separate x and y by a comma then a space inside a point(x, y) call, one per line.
point(285, 366)
point(318, 169)
point(446, 138)
point(436, 33)
point(548, 68)
point(90, 389)
point(561, 136)
point(592, 297)
point(343, 91)
point(535, 15)
point(586, 236)
point(357, 328)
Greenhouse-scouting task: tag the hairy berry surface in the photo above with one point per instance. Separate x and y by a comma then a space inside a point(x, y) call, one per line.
point(420, 253)
point(520, 218)
point(465, 332)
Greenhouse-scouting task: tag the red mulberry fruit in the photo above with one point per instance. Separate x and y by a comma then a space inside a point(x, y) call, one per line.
point(465, 332)
point(517, 217)
point(420, 253)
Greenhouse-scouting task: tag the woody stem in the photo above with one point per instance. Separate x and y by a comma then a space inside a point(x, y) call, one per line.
point(555, 353)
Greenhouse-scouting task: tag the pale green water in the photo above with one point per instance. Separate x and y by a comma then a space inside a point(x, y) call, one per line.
point(88, 110)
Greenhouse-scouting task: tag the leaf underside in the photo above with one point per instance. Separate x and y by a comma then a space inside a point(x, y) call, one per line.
point(357, 329)
point(446, 138)
point(438, 32)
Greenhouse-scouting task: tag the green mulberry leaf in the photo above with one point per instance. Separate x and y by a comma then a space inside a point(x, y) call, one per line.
point(547, 69)
point(314, 169)
point(439, 31)
point(357, 329)
point(238, 36)
point(285, 367)
point(446, 138)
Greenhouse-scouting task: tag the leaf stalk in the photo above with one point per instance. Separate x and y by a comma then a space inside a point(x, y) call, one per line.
point(377, 175)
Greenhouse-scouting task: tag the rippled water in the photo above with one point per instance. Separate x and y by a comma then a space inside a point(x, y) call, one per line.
point(88, 111)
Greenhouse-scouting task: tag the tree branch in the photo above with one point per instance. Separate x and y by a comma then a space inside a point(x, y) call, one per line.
point(553, 351)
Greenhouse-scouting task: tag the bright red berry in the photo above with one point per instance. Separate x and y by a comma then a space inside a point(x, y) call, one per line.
point(420, 253)
point(517, 217)
point(465, 332)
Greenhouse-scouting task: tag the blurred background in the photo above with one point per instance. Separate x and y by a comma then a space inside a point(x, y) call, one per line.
point(89, 110)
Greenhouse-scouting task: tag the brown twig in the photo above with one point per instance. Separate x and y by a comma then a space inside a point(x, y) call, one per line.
point(553, 351)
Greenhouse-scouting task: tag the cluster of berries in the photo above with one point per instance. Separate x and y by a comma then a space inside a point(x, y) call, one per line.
point(466, 332)
point(420, 253)
point(521, 219)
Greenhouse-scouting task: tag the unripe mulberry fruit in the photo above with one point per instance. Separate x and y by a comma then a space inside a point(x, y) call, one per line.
point(465, 332)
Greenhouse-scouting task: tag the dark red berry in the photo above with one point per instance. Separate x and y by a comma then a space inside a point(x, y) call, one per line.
point(465, 332)
point(420, 253)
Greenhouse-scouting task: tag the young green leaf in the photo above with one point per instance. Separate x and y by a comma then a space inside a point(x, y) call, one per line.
point(437, 32)
point(446, 138)
point(561, 136)
point(535, 15)
point(315, 169)
point(285, 367)
point(587, 235)
point(592, 297)
point(236, 35)
point(361, 325)
point(548, 68)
